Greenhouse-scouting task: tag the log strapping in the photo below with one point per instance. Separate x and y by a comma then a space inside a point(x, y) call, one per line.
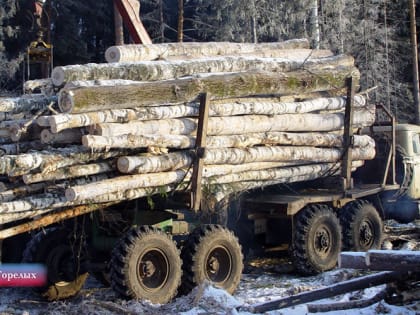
point(85, 99)
point(130, 53)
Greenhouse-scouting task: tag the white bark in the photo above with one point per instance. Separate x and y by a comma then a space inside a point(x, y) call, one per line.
point(165, 70)
point(131, 141)
point(69, 172)
point(246, 106)
point(129, 53)
point(32, 102)
point(154, 164)
point(238, 124)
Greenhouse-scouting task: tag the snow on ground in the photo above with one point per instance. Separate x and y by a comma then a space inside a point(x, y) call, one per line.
point(257, 286)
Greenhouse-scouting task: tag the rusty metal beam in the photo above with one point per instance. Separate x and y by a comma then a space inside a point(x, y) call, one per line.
point(51, 218)
point(130, 13)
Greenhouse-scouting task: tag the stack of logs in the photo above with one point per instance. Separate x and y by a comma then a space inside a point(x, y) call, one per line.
point(126, 129)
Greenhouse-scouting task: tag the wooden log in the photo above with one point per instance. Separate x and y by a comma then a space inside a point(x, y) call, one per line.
point(237, 124)
point(68, 136)
point(330, 291)
point(69, 172)
point(165, 70)
point(51, 160)
point(79, 100)
point(31, 103)
point(176, 160)
point(229, 107)
point(21, 191)
point(353, 260)
point(128, 53)
point(402, 260)
point(20, 147)
point(24, 132)
point(131, 141)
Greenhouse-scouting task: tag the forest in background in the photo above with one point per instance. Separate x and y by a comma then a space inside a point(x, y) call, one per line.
point(375, 32)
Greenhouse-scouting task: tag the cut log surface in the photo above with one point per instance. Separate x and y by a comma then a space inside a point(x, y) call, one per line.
point(31, 103)
point(165, 70)
point(260, 106)
point(86, 99)
point(129, 53)
point(237, 124)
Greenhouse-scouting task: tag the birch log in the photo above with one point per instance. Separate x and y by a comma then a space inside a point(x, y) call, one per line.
point(31, 103)
point(154, 164)
point(69, 172)
point(233, 107)
point(238, 124)
point(20, 147)
point(79, 100)
point(165, 70)
point(50, 160)
point(128, 53)
point(131, 141)
point(21, 191)
point(176, 160)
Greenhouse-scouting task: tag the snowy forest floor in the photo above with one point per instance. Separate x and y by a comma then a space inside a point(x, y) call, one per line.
point(264, 279)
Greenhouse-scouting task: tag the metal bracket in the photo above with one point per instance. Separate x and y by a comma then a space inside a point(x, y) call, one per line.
point(200, 144)
point(348, 136)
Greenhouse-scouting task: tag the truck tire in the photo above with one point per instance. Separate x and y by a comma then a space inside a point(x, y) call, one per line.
point(211, 253)
point(317, 240)
point(56, 249)
point(362, 226)
point(146, 265)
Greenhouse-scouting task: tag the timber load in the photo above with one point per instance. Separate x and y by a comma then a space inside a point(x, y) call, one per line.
point(129, 129)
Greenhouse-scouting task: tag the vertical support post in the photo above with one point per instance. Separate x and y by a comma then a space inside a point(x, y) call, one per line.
point(118, 26)
point(200, 145)
point(180, 21)
point(415, 56)
point(348, 136)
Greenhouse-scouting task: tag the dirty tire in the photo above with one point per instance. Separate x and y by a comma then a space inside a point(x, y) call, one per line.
point(54, 248)
point(317, 240)
point(211, 253)
point(146, 265)
point(362, 226)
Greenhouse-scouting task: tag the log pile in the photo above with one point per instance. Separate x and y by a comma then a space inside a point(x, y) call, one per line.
point(125, 130)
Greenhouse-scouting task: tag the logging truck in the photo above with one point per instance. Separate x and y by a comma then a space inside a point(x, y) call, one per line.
point(154, 187)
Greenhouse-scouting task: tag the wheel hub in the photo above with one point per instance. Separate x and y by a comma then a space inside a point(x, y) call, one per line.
point(219, 265)
point(153, 270)
point(366, 234)
point(323, 241)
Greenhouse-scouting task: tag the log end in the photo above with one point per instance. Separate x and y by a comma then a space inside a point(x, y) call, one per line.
point(65, 101)
point(70, 194)
point(123, 164)
point(112, 54)
point(57, 76)
point(46, 136)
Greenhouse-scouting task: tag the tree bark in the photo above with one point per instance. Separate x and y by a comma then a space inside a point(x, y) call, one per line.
point(32, 103)
point(51, 160)
point(81, 99)
point(154, 164)
point(69, 172)
point(165, 70)
point(393, 260)
point(176, 160)
point(133, 53)
point(21, 191)
point(237, 124)
point(131, 141)
point(234, 107)
point(353, 260)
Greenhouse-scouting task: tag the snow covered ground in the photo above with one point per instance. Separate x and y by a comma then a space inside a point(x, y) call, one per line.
point(258, 285)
